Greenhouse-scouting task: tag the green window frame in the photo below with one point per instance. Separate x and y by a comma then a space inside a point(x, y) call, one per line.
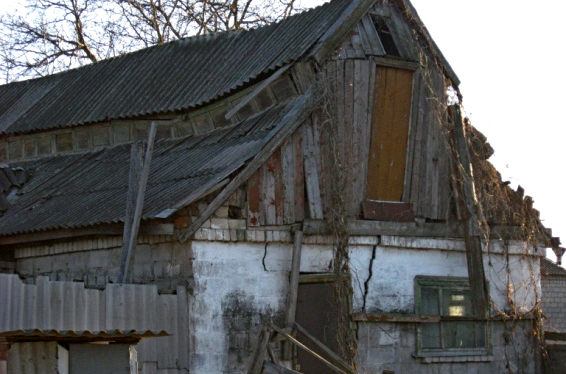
point(458, 331)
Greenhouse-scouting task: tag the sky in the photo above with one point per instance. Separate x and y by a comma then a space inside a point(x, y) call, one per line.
point(508, 56)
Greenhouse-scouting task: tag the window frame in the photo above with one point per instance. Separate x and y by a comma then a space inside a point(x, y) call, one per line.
point(447, 283)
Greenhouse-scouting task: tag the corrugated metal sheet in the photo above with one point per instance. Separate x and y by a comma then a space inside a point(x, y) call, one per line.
point(69, 306)
point(174, 76)
point(77, 190)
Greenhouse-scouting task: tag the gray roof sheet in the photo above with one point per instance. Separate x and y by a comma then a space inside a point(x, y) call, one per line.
point(175, 76)
point(549, 268)
point(79, 190)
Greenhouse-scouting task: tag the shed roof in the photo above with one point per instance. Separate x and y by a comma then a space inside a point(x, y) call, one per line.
point(175, 76)
point(79, 190)
point(549, 268)
point(71, 336)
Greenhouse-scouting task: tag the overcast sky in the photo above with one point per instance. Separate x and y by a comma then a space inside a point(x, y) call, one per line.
point(508, 56)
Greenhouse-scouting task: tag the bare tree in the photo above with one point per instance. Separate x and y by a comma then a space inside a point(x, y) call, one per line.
point(54, 35)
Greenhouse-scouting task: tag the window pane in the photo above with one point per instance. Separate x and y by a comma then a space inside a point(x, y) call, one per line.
point(456, 303)
point(459, 334)
point(480, 335)
point(431, 335)
point(429, 301)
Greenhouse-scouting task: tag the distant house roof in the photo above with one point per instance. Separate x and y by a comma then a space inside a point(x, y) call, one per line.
point(549, 268)
point(85, 189)
point(175, 76)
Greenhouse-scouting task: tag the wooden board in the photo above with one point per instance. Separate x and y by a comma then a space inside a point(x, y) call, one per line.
point(253, 190)
point(311, 173)
point(299, 175)
point(389, 135)
point(288, 180)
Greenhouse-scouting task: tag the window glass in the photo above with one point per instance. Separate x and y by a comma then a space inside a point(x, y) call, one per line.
point(430, 301)
point(450, 299)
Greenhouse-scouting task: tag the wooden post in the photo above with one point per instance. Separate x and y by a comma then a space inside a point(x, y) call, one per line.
point(132, 223)
point(294, 280)
point(467, 205)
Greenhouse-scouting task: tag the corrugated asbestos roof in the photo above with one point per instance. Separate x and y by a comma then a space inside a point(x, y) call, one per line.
point(170, 77)
point(548, 267)
point(85, 336)
point(78, 190)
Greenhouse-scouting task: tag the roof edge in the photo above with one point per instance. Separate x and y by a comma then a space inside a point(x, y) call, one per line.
point(338, 31)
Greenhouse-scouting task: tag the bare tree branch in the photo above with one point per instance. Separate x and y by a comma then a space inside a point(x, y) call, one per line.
point(53, 35)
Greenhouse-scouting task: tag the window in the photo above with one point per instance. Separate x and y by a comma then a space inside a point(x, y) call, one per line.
point(458, 330)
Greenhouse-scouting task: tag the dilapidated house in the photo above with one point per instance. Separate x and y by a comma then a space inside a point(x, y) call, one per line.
point(307, 183)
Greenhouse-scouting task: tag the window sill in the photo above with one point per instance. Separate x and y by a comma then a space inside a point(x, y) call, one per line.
point(441, 357)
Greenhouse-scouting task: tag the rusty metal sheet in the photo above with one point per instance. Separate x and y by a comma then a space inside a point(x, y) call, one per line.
point(388, 211)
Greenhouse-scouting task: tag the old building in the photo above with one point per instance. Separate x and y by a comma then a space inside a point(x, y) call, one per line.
point(313, 175)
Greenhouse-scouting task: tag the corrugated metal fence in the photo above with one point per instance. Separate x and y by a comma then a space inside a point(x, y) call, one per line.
point(49, 305)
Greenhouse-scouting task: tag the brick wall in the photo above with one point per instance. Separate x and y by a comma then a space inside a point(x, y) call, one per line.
point(554, 302)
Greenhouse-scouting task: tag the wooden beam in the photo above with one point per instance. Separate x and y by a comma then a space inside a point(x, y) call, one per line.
point(311, 352)
point(330, 354)
point(131, 229)
point(338, 31)
point(396, 63)
point(396, 318)
point(259, 355)
point(257, 91)
point(294, 281)
point(269, 368)
point(463, 179)
point(136, 166)
point(288, 125)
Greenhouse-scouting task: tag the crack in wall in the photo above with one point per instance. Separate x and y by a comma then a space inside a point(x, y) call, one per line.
point(370, 275)
point(264, 256)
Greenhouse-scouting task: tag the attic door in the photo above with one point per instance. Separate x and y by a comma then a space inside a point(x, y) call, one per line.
point(389, 133)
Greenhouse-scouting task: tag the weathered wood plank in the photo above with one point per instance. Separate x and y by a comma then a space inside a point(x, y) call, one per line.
point(299, 175)
point(311, 173)
point(419, 171)
point(466, 200)
point(259, 355)
point(312, 353)
point(339, 103)
point(362, 124)
point(290, 122)
point(288, 180)
point(331, 355)
point(294, 279)
point(388, 211)
point(348, 86)
point(135, 225)
point(136, 165)
point(254, 202)
point(375, 42)
point(340, 29)
point(277, 175)
point(268, 209)
point(366, 46)
point(397, 318)
point(320, 149)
